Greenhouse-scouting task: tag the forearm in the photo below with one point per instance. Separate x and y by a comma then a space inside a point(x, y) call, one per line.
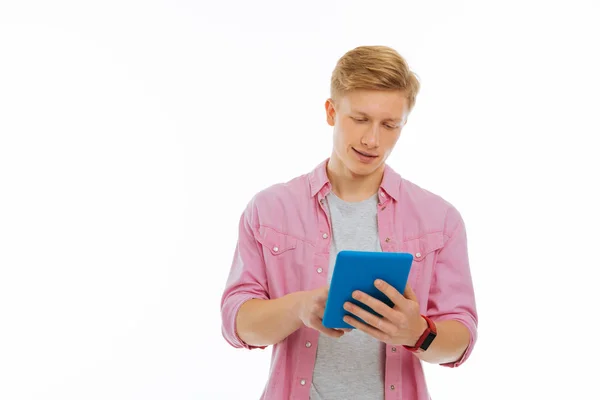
point(449, 345)
point(266, 322)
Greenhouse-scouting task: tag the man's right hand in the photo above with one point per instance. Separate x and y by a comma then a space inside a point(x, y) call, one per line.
point(311, 307)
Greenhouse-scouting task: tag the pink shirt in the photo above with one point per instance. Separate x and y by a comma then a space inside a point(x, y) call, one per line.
point(283, 247)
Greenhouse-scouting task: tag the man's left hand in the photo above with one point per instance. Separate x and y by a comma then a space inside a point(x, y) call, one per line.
point(400, 325)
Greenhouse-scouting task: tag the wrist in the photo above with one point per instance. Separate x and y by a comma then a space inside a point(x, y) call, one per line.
point(293, 302)
point(421, 327)
point(426, 338)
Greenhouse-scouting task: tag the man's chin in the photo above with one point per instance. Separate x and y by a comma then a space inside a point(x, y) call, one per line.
point(357, 168)
point(360, 169)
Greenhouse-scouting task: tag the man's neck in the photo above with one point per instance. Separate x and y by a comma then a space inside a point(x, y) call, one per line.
point(350, 187)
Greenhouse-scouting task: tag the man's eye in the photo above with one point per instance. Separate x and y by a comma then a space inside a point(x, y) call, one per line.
point(359, 119)
point(390, 127)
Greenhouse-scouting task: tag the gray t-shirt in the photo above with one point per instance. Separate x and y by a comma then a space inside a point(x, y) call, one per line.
point(352, 367)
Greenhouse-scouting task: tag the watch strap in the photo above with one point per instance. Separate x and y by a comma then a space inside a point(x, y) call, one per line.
point(426, 338)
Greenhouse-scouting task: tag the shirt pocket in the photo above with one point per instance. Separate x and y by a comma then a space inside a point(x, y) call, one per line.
point(423, 250)
point(279, 250)
point(275, 243)
point(284, 257)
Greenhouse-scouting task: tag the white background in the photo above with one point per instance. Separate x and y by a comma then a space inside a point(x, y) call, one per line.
point(132, 135)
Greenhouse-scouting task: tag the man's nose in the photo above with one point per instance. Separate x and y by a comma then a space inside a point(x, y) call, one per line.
point(371, 138)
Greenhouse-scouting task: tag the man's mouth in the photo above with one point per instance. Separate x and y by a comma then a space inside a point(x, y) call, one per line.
point(364, 154)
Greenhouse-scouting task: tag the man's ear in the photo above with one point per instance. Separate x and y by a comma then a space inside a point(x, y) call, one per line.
point(330, 112)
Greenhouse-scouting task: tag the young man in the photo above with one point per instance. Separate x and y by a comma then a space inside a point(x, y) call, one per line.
point(290, 234)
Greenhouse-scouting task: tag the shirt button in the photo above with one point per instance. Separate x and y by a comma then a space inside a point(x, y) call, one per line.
point(387, 240)
point(308, 344)
point(302, 382)
point(393, 349)
point(276, 249)
point(392, 387)
point(418, 254)
point(325, 236)
point(319, 270)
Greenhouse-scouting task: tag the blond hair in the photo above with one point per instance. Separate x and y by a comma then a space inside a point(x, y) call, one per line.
point(374, 68)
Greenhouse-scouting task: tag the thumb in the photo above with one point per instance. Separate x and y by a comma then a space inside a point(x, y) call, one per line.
point(323, 292)
point(410, 294)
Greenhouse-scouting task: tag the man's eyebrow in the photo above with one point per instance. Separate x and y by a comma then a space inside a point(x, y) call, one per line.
point(397, 120)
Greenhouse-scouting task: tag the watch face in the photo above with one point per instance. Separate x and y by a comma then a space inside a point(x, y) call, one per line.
point(428, 340)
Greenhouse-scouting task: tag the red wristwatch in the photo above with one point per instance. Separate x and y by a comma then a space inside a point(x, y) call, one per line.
point(425, 339)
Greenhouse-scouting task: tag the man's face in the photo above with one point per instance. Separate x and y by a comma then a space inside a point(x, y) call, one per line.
point(367, 125)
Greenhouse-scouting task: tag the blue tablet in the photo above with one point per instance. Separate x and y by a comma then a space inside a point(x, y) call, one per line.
point(358, 270)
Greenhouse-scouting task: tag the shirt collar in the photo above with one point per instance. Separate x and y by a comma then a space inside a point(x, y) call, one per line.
point(319, 182)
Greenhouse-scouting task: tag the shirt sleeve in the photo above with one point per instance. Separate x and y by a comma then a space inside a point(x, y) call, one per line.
point(451, 295)
point(247, 279)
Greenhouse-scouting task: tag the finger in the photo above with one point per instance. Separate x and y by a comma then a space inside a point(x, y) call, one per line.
point(343, 330)
point(409, 293)
point(379, 323)
point(333, 333)
point(375, 304)
point(369, 330)
point(316, 323)
point(322, 293)
point(391, 292)
point(320, 312)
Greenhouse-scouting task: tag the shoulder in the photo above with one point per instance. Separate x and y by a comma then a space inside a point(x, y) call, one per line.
point(434, 210)
point(278, 200)
point(421, 196)
point(295, 187)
